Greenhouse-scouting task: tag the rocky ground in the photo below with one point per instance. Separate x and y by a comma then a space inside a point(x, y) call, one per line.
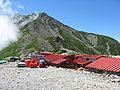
point(51, 78)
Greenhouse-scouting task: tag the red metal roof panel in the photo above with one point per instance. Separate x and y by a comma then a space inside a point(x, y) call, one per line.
point(59, 61)
point(92, 56)
point(108, 64)
point(54, 57)
point(80, 61)
point(80, 55)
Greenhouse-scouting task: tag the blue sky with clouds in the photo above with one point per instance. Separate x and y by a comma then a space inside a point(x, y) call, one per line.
point(96, 16)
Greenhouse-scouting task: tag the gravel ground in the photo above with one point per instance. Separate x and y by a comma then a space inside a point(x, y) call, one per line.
point(51, 78)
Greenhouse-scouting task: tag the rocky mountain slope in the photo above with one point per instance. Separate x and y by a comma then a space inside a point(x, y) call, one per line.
point(40, 31)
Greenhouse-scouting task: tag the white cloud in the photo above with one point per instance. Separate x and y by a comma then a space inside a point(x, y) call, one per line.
point(8, 30)
point(5, 8)
point(20, 6)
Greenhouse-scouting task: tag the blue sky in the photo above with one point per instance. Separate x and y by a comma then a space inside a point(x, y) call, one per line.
point(96, 16)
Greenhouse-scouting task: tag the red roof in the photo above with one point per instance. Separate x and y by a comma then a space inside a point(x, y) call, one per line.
point(46, 53)
point(54, 57)
point(108, 64)
point(59, 61)
point(80, 55)
point(81, 61)
point(92, 56)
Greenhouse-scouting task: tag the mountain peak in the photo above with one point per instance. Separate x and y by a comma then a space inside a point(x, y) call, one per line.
point(44, 14)
point(41, 31)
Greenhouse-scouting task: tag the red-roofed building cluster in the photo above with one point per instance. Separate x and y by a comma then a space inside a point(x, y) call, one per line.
point(63, 60)
point(98, 62)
